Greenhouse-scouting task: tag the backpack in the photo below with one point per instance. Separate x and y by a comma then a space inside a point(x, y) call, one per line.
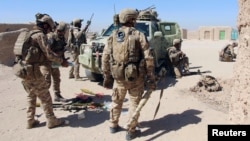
point(208, 83)
point(24, 49)
point(126, 57)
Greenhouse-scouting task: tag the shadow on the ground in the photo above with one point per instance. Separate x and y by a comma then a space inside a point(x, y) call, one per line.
point(171, 122)
point(166, 82)
point(92, 118)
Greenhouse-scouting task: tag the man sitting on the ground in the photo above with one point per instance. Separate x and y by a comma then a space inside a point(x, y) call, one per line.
point(227, 53)
point(178, 59)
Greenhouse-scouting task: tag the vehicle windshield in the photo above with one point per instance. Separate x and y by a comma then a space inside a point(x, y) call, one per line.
point(142, 27)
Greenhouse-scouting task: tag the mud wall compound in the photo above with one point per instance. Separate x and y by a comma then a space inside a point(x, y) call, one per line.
point(240, 100)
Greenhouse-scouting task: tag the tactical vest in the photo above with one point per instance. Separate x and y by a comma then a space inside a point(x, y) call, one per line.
point(29, 56)
point(126, 48)
point(210, 83)
point(81, 39)
point(125, 54)
point(58, 45)
point(28, 49)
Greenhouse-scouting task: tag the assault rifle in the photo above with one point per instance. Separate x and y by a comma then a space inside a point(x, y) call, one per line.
point(144, 100)
point(70, 108)
point(88, 23)
point(149, 8)
point(77, 106)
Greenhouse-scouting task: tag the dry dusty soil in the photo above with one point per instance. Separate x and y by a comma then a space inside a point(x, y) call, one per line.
point(183, 115)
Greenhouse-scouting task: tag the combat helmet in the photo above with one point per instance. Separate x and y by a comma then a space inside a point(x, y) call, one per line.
point(234, 44)
point(45, 18)
point(127, 14)
point(61, 26)
point(176, 41)
point(76, 22)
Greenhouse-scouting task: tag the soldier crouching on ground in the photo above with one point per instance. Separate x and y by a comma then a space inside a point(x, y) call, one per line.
point(57, 44)
point(227, 53)
point(35, 84)
point(179, 60)
point(128, 60)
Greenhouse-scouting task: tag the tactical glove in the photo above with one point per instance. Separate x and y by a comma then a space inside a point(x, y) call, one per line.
point(108, 82)
point(150, 82)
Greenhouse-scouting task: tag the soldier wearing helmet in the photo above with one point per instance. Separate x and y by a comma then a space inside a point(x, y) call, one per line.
point(178, 59)
point(126, 61)
point(57, 45)
point(45, 22)
point(227, 53)
point(36, 86)
point(77, 36)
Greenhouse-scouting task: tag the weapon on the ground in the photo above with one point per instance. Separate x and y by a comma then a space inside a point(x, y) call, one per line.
point(71, 108)
point(78, 106)
point(99, 95)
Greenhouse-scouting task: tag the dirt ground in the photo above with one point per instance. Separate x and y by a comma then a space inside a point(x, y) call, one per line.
point(183, 115)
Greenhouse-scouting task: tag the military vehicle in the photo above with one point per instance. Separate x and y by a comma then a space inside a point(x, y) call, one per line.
point(160, 35)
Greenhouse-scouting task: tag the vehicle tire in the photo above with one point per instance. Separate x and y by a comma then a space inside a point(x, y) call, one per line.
point(93, 76)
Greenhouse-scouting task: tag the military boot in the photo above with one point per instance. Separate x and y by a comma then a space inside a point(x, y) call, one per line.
point(71, 76)
point(77, 78)
point(32, 123)
point(59, 98)
point(132, 135)
point(177, 73)
point(53, 122)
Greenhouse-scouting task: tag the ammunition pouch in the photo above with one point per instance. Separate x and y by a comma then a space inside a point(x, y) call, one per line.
point(131, 72)
point(118, 71)
point(34, 55)
point(123, 72)
point(27, 71)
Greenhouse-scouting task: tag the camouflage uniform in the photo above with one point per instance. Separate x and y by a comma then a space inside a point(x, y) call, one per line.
point(36, 86)
point(179, 60)
point(227, 53)
point(57, 45)
point(76, 38)
point(114, 54)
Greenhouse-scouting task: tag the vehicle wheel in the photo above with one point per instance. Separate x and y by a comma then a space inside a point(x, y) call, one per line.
point(93, 76)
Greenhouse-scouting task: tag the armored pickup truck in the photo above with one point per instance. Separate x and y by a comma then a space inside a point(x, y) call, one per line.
point(160, 35)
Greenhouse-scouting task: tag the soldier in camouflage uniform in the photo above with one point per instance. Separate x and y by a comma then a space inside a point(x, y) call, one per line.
point(35, 84)
point(178, 59)
point(227, 53)
point(129, 61)
point(75, 39)
point(57, 43)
